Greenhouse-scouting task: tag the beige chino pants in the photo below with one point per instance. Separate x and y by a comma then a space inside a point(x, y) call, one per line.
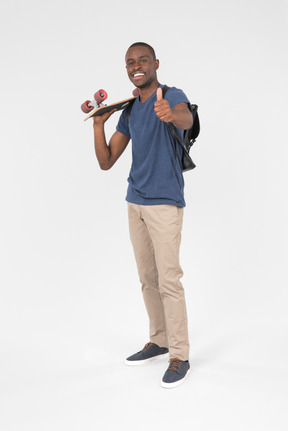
point(155, 233)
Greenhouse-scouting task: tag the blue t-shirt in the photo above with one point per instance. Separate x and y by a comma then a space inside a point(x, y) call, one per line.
point(156, 174)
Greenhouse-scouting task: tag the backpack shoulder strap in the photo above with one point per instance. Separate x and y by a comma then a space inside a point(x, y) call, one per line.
point(171, 126)
point(164, 90)
point(128, 110)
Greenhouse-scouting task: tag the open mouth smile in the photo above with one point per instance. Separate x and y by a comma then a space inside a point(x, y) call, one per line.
point(138, 75)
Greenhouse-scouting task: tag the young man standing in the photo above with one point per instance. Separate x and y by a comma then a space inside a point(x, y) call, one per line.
point(155, 200)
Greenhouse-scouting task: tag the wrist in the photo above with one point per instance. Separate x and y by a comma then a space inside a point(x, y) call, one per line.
point(98, 124)
point(172, 116)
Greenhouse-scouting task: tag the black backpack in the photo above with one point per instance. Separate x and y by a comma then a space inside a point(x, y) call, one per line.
point(189, 136)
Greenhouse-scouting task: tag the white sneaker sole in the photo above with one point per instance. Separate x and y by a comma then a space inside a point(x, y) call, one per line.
point(144, 361)
point(175, 384)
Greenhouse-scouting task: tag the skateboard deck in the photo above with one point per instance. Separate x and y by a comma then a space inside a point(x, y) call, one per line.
point(107, 108)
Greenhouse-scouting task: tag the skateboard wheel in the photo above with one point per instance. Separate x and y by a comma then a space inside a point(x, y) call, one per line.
point(100, 96)
point(86, 108)
point(135, 92)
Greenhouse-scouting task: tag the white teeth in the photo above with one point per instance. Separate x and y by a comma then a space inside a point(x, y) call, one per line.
point(139, 74)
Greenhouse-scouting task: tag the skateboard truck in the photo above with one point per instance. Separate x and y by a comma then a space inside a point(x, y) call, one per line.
point(97, 102)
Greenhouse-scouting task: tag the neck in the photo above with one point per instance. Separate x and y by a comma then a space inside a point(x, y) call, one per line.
point(146, 92)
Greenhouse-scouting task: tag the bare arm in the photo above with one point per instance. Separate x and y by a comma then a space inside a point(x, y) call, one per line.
point(107, 154)
point(180, 115)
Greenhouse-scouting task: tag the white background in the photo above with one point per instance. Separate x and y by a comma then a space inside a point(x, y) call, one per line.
point(71, 306)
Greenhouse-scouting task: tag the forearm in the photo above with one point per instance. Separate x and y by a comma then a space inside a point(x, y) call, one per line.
point(102, 150)
point(182, 119)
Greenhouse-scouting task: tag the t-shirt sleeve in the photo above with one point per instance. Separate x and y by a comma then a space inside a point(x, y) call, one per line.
point(123, 126)
point(175, 96)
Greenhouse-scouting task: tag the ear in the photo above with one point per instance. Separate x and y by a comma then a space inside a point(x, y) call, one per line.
point(156, 64)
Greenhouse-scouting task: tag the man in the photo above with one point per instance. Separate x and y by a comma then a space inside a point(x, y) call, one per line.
point(155, 206)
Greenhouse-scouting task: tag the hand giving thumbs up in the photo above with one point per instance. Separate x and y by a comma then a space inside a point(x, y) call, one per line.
point(162, 108)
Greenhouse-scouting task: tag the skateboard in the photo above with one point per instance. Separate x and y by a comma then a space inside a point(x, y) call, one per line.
point(97, 107)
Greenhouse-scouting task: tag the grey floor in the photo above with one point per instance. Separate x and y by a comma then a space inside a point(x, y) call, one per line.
point(238, 381)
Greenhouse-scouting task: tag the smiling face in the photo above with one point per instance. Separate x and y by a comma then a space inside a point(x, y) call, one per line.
point(141, 66)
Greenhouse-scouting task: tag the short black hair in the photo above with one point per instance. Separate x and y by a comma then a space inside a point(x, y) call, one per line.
point(147, 46)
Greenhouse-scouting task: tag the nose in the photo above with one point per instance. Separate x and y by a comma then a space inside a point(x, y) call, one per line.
point(137, 65)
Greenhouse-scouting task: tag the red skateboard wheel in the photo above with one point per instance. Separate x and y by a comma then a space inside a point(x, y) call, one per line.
point(135, 92)
point(100, 96)
point(86, 108)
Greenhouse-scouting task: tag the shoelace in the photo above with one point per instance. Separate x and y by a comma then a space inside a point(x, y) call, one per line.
point(147, 346)
point(174, 364)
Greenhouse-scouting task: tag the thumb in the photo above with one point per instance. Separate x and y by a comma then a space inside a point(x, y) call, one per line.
point(159, 93)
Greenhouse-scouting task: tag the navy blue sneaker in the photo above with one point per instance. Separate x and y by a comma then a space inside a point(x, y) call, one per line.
point(176, 373)
point(149, 352)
